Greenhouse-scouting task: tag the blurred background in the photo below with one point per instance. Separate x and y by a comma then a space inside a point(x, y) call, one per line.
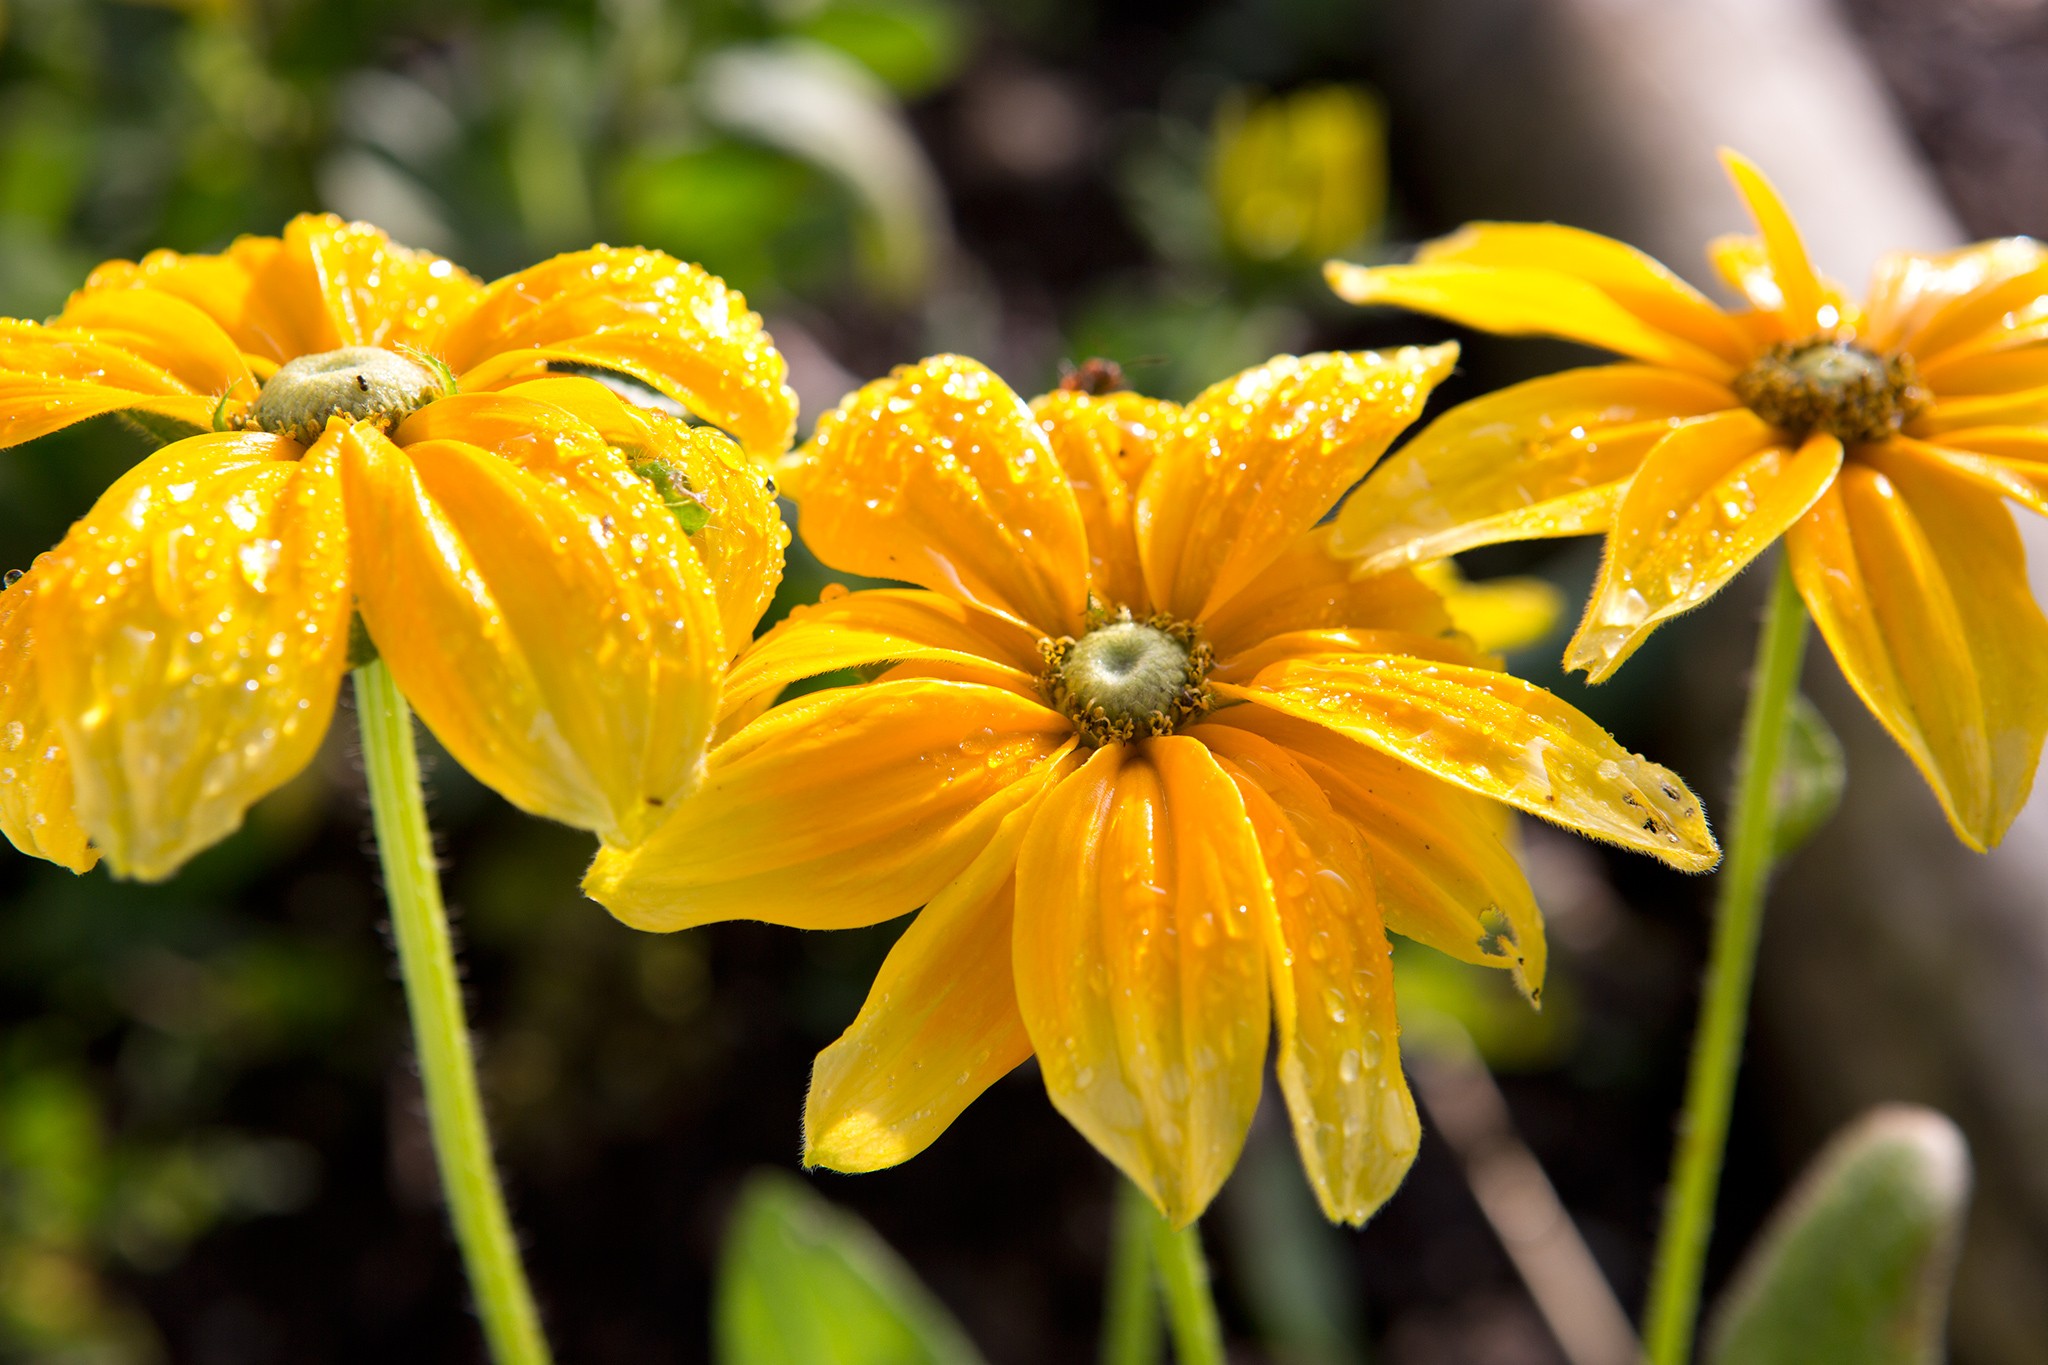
point(211, 1145)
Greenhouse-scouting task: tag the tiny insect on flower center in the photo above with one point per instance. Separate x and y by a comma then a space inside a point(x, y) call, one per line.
point(363, 383)
point(1127, 677)
point(1834, 387)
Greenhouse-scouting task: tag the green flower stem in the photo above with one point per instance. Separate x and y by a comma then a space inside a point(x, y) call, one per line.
point(433, 993)
point(1184, 1284)
point(1130, 1311)
point(1731, 967)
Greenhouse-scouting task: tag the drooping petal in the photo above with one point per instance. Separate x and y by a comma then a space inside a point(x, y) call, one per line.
point(1309, 588)
point(1142, 902)
point(1710, 498)
point(540, 608)
point(940, 1024)
point(861, 629)
point(1917, 580)
point(1544, 458)
point(1523, 302)
point(2010, 461)
point(738, 534)
point(1257, 460)
point(1338, 1059)
point(1443, 860)
point(1497, 736)
point(1792, 272)
point(1636, 281)
point(939, 474)
point(1105, 443)
point(1909, 289)
point(191, 632)
point(773, 834)
point(36, 802)
point(51, 377)
point(1496, 614)
point(665, 322)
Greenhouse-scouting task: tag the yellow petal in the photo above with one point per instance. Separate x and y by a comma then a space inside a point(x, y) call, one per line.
point(1801, 289)
point(192, 632)
point(1142, 906)
point(167, 332)
point(1545, 458)
point(36, 799)
point(1911, 289)
point(1523, 302)
point(51, 377)
point(2012, 408)
point(939, 475)
point(266, 297)
point(1710, 498)
point(940, 1024)
point(742, 538)
point(1636, 281)
point(2010, 461)
point(1257, 460)
point(1104, 444)
point(1309, 588)
point(1338, 1058)
point(1917, 581)
point(539, 607)
point(773, 834)
point(1984, 374)
point(377, 292)
point(1497, 736)
point(1316, 644)
point(1499, 614)
point(858, 630)
point(665, 322)
point(1443, 860)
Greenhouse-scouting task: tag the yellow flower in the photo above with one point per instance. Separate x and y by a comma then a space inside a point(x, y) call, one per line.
point(1158, 770)
point(1296, 177)
point(1880, 441)
point(550, 573)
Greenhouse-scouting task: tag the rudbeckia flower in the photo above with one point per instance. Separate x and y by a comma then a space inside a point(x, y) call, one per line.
point(1881, 440)
point(1159, 773)
point(551, 574)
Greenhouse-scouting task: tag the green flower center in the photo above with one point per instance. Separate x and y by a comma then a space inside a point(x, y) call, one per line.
point(362, 383)
point(1126, 678)
point(1851, 394)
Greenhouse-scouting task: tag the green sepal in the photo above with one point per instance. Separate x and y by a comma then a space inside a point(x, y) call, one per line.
point(1855, 1264)
point(362, 650)
point(690, 510)
point(156, 427)
point(800, 1281)
point(1811, 774)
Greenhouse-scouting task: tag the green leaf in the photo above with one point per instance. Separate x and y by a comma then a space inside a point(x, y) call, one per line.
point(1855, 1265)
point(1810, 778)
point(803, 1283)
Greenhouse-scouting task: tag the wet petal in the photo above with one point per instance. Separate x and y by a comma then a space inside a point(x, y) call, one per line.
point(1443, 860)
point(939, 475)
point(1545, 458)
point(1338, 1058)
point(1522, 302)
point(266, 297)
point(193, 630)
point(1497, 736)
point(1710, 498)
point(51, 377)
point(36, 799)
point(1804, 296)
point(540, 608)
point(1917, 581)
point(773, 836)
point(1105, 443)
point(2010, 461)
point(167, 332)
point(1257, 460)
point(1909, 290)
point(1142, 914)
point(859, 630)
point(665, 322)
point(739, 536)
point(1636, 281)
point(377, 292)
point(1309, 588)
point(940, 1024)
